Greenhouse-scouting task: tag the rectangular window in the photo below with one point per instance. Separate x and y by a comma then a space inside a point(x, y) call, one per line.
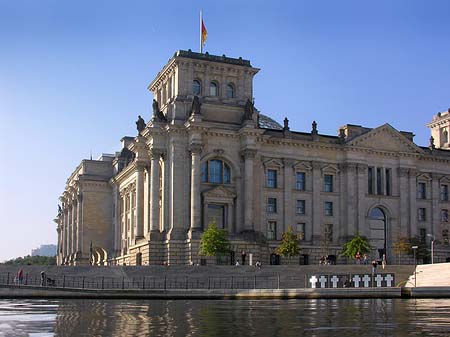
point(328, 183)
point(444, 192)
point(271, 205)
point(379, 185)
point(445, 236)
point(444, 215)
point(301, 231)
point(301, 181)
point(370, 180)
point(422, 214)
point(328, 233)
point(300, 207)
point(388, 173)
point(272, 178)
point(272, 230)
point(421, 191)
point(422, 235)
point(328, 208)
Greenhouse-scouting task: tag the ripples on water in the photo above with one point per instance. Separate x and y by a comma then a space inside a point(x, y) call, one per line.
point(359, 317)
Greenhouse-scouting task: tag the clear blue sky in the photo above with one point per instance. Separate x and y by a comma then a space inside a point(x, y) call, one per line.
point(73, 77)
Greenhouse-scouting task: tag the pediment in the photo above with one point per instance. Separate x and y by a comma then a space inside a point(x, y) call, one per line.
point(272, 162)
point(302, 166)
point(219, 192)
point(385, 138)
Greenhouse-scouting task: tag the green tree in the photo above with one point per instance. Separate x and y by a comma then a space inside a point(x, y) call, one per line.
point(214, 241)
point(357, 244)
point(401, 246)
point(289, 244)
point(32, 260)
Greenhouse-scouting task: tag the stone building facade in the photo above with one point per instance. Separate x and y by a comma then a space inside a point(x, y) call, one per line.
point(207, 154)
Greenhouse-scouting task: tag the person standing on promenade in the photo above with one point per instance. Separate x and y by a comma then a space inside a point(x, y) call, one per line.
point(20, 276)
point(358, 258)
point(374, 267)
point(243, 256)
point(383, 261)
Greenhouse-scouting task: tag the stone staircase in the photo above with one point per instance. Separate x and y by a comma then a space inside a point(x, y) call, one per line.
point(430, 275)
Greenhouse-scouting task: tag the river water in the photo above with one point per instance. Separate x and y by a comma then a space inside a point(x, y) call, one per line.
point(356, 317)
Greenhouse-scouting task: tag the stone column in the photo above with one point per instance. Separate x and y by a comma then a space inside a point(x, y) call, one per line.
point(316, 202)
point(74, 226)
point(403, 190)
point(196, 150)
point(413, 202)
point(361, 202)
point(435, 214)
point(79, 224)
point(249, 155)
point(154, 191)
point(147, 173)
point(69, 230)
point(139, 201)
point(288, 186)
point(64, 233)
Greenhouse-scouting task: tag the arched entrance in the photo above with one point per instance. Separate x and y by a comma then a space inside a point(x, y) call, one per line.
point(378, 230)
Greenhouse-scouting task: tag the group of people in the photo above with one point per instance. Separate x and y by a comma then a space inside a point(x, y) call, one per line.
point(365, 260)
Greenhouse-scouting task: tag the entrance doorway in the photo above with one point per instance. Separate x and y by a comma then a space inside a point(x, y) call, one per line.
point(378, 232)
point(216, 213)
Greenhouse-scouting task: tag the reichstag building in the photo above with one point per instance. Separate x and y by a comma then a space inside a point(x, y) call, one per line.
point(208, 155)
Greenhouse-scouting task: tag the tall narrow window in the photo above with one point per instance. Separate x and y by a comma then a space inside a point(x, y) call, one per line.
point(388, 181)
point(328, 233)
point(421, 191)
point(213, 90)
point(444, 192)
point(301, 181)
point(328, 183)
point(328, 208)
point(196, 87)
point(422, 235)
point(444, 215)
point(370, 180)
point(379, 185)
point(230, 90)
point(272, 178)
point(271, 205)
point(301, 231)
point(272, 230)
point(300, 207)
point(422, 216)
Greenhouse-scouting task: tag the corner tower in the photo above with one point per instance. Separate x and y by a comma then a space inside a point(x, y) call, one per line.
point(440, 128)
point(222, 84)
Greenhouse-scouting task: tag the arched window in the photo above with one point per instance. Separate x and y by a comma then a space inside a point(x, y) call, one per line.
point(445, 136)
point(196, 87)
point(215, 171)
point(213, 89)
point(230, 90)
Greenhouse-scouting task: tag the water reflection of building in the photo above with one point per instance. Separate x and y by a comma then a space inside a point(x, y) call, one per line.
point(207, 154)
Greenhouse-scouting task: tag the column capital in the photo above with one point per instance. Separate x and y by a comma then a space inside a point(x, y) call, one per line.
point(362, 168)
point(288, 162)
point(348, 167)
point(248, 153)
point(412, 172)
point(156, 153)
point(403, 171)
point(316, 165)
point(196, 148)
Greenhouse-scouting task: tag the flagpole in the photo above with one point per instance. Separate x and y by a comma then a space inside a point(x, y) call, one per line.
point(201, 44)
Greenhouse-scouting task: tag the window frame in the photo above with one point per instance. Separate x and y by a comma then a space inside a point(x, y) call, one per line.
point(443, 191)
point(271, 205)
point(272, 231)
point(300, 204)
point(328, 185)
point(225, 178)
point(298, 181)
point(199, 87)
point(271, 182)
point(421, 190)
point(328, 211)
point(230, 86)
point(215, 85)
point(422, 214)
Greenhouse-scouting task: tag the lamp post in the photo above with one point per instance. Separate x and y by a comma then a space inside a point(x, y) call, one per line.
point(432, 247)
point(415, 265)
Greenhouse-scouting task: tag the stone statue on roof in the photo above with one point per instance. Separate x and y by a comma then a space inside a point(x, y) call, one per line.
point(432, 146)
point(248, 110)
point(140, 124)
point(314, 128)
point(60, 211)
point(196, 106)
point(157, 114)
